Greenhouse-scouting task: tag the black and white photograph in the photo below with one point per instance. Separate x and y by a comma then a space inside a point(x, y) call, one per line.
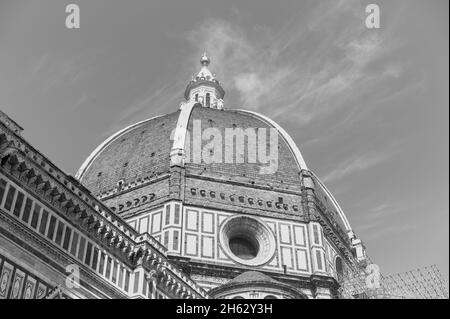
point(224, 153)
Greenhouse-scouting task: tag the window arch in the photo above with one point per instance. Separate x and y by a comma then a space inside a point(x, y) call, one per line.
point(338, 265)
point(208, 100)
point(270, 297)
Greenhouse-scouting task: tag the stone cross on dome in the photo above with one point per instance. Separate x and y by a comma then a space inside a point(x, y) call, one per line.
point(204, 88)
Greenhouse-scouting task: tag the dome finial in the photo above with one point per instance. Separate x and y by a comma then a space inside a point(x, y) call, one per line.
point(204, 60)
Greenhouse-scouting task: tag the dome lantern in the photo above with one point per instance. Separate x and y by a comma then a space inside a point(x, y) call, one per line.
point(204, 87)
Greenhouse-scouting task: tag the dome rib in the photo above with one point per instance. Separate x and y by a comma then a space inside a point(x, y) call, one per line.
point(340, 212)
point(178, 147)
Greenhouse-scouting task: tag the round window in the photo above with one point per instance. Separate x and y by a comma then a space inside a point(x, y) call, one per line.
point(244, 248)
point(247, 240)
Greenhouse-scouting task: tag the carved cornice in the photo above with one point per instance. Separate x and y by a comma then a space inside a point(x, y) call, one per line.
point(132, 186)
point(89, 220)
point(31, 167)
point(56, 255)
point(249, 183)
point(168, 275)
point(41, 178)
point(332, 231)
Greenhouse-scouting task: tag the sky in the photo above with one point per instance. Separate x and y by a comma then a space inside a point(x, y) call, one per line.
point(368, 108)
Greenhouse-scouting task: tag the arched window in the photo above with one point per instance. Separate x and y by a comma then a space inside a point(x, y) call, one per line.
point(196, 97)
point(208, 100)
point(339, 268)
point(237, 297)
point(270, 297)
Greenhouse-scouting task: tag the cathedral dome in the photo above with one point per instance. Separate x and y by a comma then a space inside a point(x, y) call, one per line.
point(143, 150)
point(202, 137)
point(206, 155)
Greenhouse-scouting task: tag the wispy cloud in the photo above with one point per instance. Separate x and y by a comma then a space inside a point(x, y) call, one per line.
point(356, 164)
point(311, 67)
point(38, 64)
point(374, 218)
point(156, 100)
point(359, 162)
point(388, 230)
point(80, 101)
point(383, 210)
point(62, 81)
point(50, 72)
